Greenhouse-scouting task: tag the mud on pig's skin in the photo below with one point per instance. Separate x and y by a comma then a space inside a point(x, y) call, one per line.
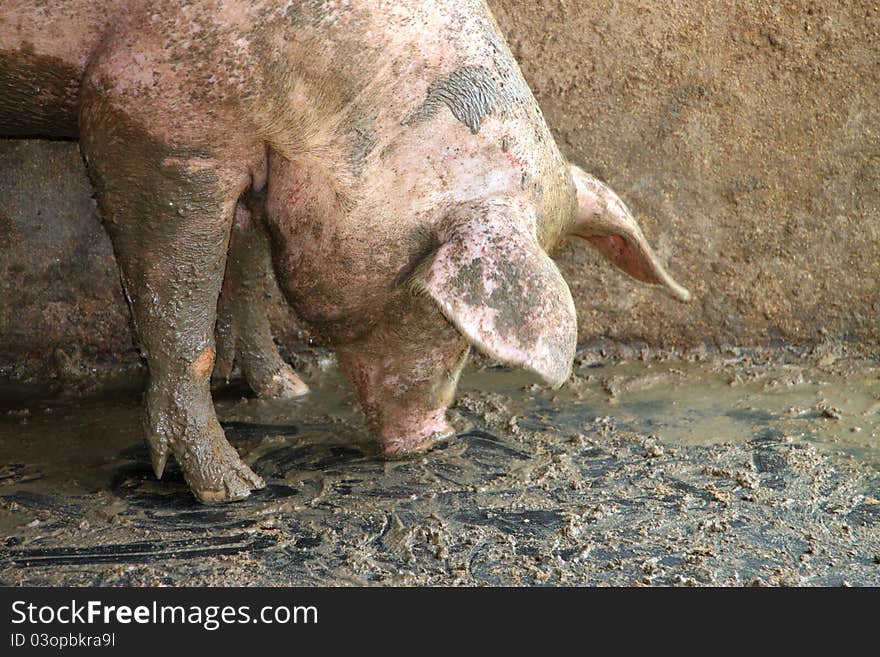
point(410, 185)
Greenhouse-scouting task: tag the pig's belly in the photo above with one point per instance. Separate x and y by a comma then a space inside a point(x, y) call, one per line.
point(39, 96)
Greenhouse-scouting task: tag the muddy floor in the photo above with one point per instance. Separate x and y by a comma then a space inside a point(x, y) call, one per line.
point(724, 469)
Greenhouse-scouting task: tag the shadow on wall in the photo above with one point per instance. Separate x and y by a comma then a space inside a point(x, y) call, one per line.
point(743, 135)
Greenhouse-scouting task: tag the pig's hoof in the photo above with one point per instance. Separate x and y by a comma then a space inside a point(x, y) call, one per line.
point(237, 485)
point(284, 384)
point(217, 474)
point(400, 448)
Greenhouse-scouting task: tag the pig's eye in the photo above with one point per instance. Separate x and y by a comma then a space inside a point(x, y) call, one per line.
point(424, 244)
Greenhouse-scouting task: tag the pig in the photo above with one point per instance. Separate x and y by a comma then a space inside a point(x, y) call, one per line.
point(409, 184)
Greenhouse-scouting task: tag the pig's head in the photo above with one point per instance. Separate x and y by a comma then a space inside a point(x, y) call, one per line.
point(496, 289)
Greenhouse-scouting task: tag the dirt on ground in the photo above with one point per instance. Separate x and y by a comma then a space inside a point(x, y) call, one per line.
point(720, 469)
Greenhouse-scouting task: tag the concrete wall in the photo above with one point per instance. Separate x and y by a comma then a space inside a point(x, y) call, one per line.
point(744, 134)
point(60, 292)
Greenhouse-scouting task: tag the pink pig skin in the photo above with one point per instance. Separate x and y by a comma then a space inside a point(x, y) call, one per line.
point(412, 192)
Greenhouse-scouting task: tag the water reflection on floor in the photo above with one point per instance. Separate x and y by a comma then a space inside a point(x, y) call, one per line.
point(837, 409)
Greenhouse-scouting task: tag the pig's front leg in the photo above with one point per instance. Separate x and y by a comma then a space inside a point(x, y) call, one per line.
point(168, 211)
point(243, 331)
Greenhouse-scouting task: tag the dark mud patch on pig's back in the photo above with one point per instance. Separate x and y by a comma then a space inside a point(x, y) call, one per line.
point(470, 93)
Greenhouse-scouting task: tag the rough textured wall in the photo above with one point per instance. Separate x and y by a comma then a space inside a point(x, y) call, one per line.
point(744, 134)
point(59, 287)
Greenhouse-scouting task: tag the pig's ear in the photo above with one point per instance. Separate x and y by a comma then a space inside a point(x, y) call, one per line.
point(604, 221)
point(496, 285)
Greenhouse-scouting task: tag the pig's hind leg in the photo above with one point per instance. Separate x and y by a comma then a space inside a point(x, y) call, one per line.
point(243, 331)
point(169, 211)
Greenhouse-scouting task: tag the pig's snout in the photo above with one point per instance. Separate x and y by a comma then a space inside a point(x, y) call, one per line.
point(412, 431)
point(405, 373)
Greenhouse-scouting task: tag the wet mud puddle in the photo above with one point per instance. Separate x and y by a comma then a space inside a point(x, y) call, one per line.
point(76, 446)
point(836, 409)
point(738, 446)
